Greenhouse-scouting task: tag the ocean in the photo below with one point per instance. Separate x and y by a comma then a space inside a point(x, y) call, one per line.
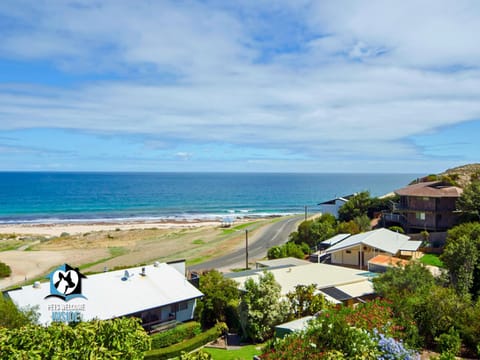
point(58, 197)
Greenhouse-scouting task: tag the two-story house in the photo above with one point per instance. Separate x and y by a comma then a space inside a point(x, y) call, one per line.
point(429, 206)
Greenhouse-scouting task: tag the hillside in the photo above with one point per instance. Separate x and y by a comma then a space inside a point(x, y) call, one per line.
point(464, 174)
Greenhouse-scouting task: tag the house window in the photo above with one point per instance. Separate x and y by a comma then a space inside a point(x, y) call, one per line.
point(420, 215)
point(183, 305)
point(348, 251)
point(425, 198)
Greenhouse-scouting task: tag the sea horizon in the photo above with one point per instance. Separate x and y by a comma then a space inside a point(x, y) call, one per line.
point(38, 197)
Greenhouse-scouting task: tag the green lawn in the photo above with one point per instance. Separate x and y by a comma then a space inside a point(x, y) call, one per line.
point(244, 353)
point(431, 259)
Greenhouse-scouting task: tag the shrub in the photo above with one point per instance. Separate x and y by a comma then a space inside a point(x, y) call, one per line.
point(392, 349)
point(397, 229)
point(449, 343)
point(122, 338)
point(175, 335)
point(187, 345)
point(5, 270)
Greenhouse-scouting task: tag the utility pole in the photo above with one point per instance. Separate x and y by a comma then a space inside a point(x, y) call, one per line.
point(246, 249)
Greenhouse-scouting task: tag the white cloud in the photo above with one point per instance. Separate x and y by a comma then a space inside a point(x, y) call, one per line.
point(364, 77)
point(183, 155)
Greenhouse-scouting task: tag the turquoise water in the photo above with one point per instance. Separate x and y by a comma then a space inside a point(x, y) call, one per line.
point(69, 197)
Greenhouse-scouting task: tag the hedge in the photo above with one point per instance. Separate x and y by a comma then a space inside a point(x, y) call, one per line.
point(187, 345)
point(5, 270)
point(175, 335)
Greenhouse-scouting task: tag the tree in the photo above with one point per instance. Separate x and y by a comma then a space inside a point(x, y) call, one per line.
point(460, 257)
point(436, 317)
point(11, 317)
point(261, 308)
point(312, 232)
point(357, 205)
point(304, 301)
point(348, 227)
point(220, 300)
point(289, 249)
point(363, 223)
point(469, 201)
point(407, 288)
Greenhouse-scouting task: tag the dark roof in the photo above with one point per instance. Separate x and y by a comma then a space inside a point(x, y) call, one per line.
point(430, 189)
point(336, 293)
point(332, 201)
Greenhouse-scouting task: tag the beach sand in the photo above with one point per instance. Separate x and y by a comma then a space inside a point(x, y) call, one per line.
point(81, 228)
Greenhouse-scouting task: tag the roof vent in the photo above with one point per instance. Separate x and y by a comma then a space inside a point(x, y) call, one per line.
point(105, 269)
point(156, 264)
point(126, 275)
point(36, 284)
point(143, 273)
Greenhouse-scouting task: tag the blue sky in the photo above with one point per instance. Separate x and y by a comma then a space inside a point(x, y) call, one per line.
point(278, 86)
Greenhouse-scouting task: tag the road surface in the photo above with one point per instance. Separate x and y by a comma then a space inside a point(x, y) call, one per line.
point(258, 245)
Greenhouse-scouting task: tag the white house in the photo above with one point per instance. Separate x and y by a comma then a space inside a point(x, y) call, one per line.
point(332, 206)
point(358, 249)
point(155, 293)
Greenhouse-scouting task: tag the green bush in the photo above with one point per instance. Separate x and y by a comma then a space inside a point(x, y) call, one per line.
point(397, 229)
point(449, 343)
point(187, 345)
point(175, 335)
point(5, 270)
point(122, 338)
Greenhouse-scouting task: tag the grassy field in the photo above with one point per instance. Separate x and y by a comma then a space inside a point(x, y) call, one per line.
point(431, 259)
point(244, 353)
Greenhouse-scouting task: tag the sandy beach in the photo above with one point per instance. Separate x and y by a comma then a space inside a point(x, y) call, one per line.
point(56, 229)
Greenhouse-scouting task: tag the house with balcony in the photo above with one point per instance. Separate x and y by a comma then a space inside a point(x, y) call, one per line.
point(429, 206)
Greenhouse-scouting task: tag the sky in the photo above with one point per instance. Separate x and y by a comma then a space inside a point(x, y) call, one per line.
point(239, 86)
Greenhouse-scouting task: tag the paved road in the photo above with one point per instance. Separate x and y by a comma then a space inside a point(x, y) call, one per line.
point(259, 243)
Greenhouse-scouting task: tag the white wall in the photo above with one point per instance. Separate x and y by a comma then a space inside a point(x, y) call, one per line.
point(187, 314)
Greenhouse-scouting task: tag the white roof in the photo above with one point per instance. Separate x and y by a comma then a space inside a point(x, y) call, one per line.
point(333, 240)
point(357, 289)
point(411, 245)
point(297, 324)
point(323, 275)
point(383, 239)
point(288, 261)
point(108, 296)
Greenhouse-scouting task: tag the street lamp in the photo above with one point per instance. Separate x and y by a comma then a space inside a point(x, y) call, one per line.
point(246, 249)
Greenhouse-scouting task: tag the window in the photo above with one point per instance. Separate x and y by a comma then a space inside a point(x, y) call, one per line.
point(420, 215)
point(183, 305)
point(348, 251)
